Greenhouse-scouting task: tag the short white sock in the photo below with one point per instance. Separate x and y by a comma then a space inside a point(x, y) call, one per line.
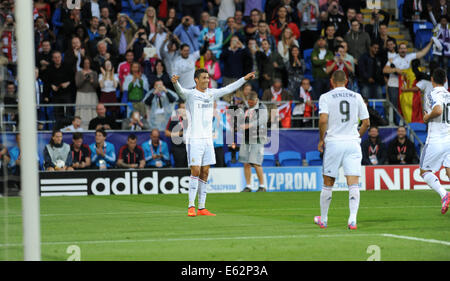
point(193, 186)
point(325, 200)
point(201, 193)
point(434, 183)
point(353, 202)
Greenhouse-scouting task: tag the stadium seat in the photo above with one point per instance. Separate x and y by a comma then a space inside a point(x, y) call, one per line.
point(400, 4)
point(228, 162)
point(420, 129)
point(313, 158)
point(290, 158)
point(424, 32)
point(379, 107)
point(269, 160)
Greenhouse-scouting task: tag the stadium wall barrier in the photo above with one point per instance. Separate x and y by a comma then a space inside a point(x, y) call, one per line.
point(225, 180)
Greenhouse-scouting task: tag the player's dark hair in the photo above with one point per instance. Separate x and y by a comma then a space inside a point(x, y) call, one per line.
point(132, 137)
point(77, 136)
point(373, 127)
point(339, 76)
point(101, 131)
point(199, 72)
point(183, 46)
point(439, 76)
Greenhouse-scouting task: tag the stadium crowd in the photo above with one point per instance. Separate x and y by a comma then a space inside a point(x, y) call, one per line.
point(123, 52)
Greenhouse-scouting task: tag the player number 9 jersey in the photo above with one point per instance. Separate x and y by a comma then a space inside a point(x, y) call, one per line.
point(345, 109)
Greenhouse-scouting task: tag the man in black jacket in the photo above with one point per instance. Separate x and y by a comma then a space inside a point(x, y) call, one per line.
point(60, 81)
point(371, 73)
point(401, 150)
point(373, 150)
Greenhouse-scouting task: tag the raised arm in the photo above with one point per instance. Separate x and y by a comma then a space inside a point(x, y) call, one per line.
point(180, 90)
point(218, 93)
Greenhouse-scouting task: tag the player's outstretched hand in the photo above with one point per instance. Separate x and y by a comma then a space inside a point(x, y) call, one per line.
point(175, 78)
point(250, 76)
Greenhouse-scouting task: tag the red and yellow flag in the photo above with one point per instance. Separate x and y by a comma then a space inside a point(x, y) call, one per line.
point(410, 103)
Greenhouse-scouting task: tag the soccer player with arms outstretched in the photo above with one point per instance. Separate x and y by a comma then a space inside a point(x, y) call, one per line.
point(199, 141)
point(339, 113)
point(436, 152)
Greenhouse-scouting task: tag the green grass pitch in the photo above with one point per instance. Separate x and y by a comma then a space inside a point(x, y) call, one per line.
point(248, 226)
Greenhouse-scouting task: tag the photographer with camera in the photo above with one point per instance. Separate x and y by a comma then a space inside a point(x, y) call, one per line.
point(188, 33)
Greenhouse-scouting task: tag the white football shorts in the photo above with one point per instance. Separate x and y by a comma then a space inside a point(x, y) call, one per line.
point(200, 152)
point(434, 156)
point(342, 153)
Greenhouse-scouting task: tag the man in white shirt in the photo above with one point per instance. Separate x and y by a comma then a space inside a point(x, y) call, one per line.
point(184, 66)
point(75, 127)
point(436, 152)
point(340, 111)
point(399, 63)
point(199, 141)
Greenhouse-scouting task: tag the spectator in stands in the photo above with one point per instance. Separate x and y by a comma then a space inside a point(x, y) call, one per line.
point(330, 35)
point(174, 131)
point(86, 81)
point(159, 73)
point(401, 150)
point(137, 11)
point(44, 57)
point(213, 34)
point(339, 63)
point(252, 26)
point(75, 126)
point(69, 25)
point(254, 54)
point(271, 66)
point(149, 21)
point(131, 155)
point(390, 52)
point(441, 51)
point(319, 57)
point(136, 122)
point(123, 34)
point(57, 156)
point(188, 33)
point(172, 20)
point(42, 33)
point(204, 17)
point(108, 82)
point(413, 11)
point(105, 18)
point(102, 37)
point(219, 125)
point(231, 30)
point(102, 121)
point(236, 60)
point(124, 67)
point(373, 149)
point(382, 37)
point(136, 87)
point(208, 61)
point(350, 15)
point(295, 69)
point(157, 38)
point(161, 102)
point(286, 42)
point(242, 95)
point(239, 18)
point(169, 52)
point(103, 153)
point(60, 80)
point(73, 57)
point(358, 40)
point(138, 44)
point(371, 73)
point(305, 107)
point(226, 10)
point(308, 13)
point(251, 151)
point(156, 151)
point(335, 16)
point(440, 8)
point(395, 67)
point(275, 94)
point(263, 33)
point(281, 22)
point(192, 8)
point(93, 28)
point(81, 154)
point(184, 66)
point(374, 28)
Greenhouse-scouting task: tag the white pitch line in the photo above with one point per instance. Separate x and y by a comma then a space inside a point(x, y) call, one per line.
point(196, 239)
point(182, 211)
point(446, 243)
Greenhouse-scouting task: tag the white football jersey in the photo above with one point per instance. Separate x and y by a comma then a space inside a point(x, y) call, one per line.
point(439, 127)
point(344, 108)
point(200, 108)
